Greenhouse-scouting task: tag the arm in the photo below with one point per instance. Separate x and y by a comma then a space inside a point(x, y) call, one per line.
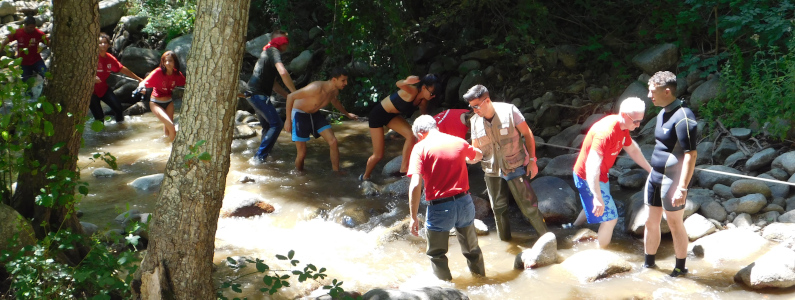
point(407, 84)
point(530, 144)
point(593, 165)
point(636, 155)
point(478, 155)
point(130, 74)
point(285, 76)
point(147, 82)
point(688, 165)
point(279, 89)
point(415, 192)
point(338, 105)
point(305, 92)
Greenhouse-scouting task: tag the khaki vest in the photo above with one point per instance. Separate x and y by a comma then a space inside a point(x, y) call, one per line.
point(500, 141)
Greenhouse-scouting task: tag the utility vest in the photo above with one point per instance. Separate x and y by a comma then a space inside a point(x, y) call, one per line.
point(500, 141)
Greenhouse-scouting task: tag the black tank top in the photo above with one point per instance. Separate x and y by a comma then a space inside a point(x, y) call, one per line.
point(405, 108)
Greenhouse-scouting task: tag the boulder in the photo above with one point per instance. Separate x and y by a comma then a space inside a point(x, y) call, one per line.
point(480, 227)
point(299, 64)
point(103, 172)
point(181, 47)
point(634, 179)
point(543, 253)
point(564, 138)
point(398, 188)
point(708, 179)
point(743, 187)
point(487, 54)
point(691, 207)
point(583, 235)
point(706, 92)
point(15, 225)
point(111, 11)
point(742, 220)
point(726, 147)
point(431, 292)
point(254, 47)
point(740, 133)
point(425, 52)
point(751, 204)
point(140, 61)
point(713, 210)
point(777, 190)
point(393, 166)
point(7, 8)
point(145, 183)
point(774, 269)
point(251, 209)
point(471, 79)
point(89, 229)
point(127, 216)
point(590, 121)
point(576, 87)
point(638, 214)
point(596, 94)
point(697, 226)
point(370, 189)
point(243, 131)
point(657, 58)
point(134, 24)
point(789, 217)
point(760, 159)
point(780, 232)
point(636, 89)
point(560, 166)
point(786, 162)
point(451, 95)
point(730, 245)
point(778, 174)
point(467, 66)
point(593, 264)
point(704, 153)
point(548, 115)
point(557, 201)
point(482, 207)
point(723, 191)
point(567, 54)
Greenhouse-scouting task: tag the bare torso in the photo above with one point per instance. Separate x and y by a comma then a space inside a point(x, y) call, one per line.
point(318, 100)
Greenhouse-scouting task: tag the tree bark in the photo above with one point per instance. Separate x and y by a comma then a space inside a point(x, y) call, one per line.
point(178, 264)
point(73, 42)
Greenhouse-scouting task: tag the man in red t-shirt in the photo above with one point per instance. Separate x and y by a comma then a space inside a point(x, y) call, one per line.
point(600, 148)
point(453, 122)
point(28, 38)
point(439, 159)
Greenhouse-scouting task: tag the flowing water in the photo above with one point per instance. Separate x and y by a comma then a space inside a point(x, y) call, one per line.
point(313, 217)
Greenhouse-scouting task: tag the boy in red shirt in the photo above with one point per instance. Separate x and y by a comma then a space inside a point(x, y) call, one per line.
point(28, 38)
point(106, 64)
point(453, 122)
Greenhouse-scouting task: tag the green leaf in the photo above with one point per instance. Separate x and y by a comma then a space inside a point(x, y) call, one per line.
point(281, 257)
point(205, 156)
point(5, 135)
point(83, 190)
point(291, 254)
point(261, 267)
point(236, 288)
point(231, 261)
point(97, 126)
point(47, 107)
point(48, 128)
point(199, 143)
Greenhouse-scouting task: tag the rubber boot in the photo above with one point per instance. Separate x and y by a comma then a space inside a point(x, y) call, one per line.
point(528, 203)
point(437, 250)
point(499, 197)
point(468, 239)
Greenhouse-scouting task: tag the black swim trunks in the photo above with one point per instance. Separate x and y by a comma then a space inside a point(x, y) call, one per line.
point(379, 117)
point(305, 124)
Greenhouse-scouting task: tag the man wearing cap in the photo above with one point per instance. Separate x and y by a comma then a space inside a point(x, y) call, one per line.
point(28, 38)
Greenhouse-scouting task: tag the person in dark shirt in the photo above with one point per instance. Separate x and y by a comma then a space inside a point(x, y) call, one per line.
point(672, 163)
point(263, 83)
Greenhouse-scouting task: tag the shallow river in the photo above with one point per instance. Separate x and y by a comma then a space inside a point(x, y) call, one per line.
point(308, 214)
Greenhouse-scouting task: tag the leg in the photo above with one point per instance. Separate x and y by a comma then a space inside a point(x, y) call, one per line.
point(399, 125)
point(651, 236)
point(498, 195)
point(111, 100)
point(467, 237)
point(580, 219)
point(606, 232)
point(526, 198)
point(96, 108)
point(172, 130)
point(163, 116)
point(678, 233)
point(334, 150)
point(437, 250)
point(377, 137)
point(268, 116)
point(300, 155)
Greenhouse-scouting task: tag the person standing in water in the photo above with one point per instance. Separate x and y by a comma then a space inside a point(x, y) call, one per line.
point(163, 80)
point(107, 63)
point(28, 39)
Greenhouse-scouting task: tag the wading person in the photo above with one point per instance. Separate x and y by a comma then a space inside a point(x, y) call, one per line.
point(28, 38)
point(509, 163)
point(439, 161)
point(454, 122)
point(263, 83)
point(163, 80)
point(600, 148)
point(304, 118)
point(672, 162)
point(414, 92)
point(107, 63)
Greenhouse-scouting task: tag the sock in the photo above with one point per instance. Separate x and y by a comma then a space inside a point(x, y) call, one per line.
point(680, 263)
point(650, 260)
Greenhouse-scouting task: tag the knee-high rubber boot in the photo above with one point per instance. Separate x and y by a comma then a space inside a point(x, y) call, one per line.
point(468, 239)
point(499, 196)
point(437, 250)
point(528, 202)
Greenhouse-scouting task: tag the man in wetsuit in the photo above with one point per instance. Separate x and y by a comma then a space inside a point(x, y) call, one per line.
point(509, 163)
point(672, 162)
point(28, 38)
point(304, 118)
point(262, 83)
point(439, 161)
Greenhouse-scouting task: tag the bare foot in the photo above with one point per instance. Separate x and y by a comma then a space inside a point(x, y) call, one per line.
point(298, 172)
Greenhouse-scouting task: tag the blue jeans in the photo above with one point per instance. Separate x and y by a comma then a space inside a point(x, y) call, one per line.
point(29, 71)
point(459, 213)
point(268, 116)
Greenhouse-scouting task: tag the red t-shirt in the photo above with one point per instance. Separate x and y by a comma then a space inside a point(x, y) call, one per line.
point(28, 41)
point(449, 122)
point(607, 138)
point(105, 66)
point(164, 84)
point(441, 160)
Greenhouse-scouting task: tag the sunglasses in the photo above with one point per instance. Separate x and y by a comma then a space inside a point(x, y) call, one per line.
point(636, 122)
point(479, 105)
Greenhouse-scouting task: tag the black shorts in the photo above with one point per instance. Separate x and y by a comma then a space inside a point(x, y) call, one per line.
point(379, 117)
point(164, 105)
point(305, 124)
point(661, 195)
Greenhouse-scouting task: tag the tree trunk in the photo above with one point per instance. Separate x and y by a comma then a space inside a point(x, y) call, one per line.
point(73, 42)
point(178, 264)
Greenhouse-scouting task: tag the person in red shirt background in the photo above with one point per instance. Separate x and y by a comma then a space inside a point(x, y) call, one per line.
point(163, 80)
point(28, 38)
point(454, 122)
point(107, 64)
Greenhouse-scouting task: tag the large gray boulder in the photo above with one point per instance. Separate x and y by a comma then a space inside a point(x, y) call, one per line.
point(140, 61)
point(15, 225)
point(750, 204)
point(726, 147)
point(780, 232)
point(254, 47)
point(564, 138)
point(560, 166)
point(760, 159)
point(634, 179)
point(557, 201)
point(181, 47)
point(543, 253)
point(393, 166)
point(426, 293)
point(149, 182)
point(103, 172)
point(740, 245)
point(789, 217)
point(775, 269)
point(547, 115)
point(299, 64)
point(709, 179)
point(743, 187)
point(7, 8)
point(735, 159)
point(657, 58)
point(697, 226)
point(471, 79)
point(704, 153)
point(451, 95)
point(785, 161)
point(723, 191)
point(706, 92)
point(713, 210)
point(111, 11)
point(593, 264)
point(590, 121)
point(134, 24)
point(776, 189)
point(398, 188)
point(635, 89)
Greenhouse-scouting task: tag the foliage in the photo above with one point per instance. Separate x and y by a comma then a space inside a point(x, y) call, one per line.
point(279, 279)
point(168, 18)
point(194, 154)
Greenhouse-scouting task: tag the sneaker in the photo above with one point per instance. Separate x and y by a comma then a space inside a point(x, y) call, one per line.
point(679, 272)
point(568, 226)
point(361, 178)
point(654, 266)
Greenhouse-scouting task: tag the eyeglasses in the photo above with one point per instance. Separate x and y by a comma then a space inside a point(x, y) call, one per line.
point(479, 105)
point(432, 93)
point(636, 122)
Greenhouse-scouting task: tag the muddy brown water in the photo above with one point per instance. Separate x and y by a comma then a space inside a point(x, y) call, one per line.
point(308, 219)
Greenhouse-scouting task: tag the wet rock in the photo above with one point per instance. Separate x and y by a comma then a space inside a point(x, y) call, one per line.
point(181, 47)
point(299, 64)
point(705, 92)
point(110, 12)
point(741, 133)
point(89, 229)
point(149, 182)
point(726, 147)
point(657, 58)
point(467, 66)
point(393, 166)
point(760, 160)
point(134, 24)
point(725, 246)
point(482, 207)
point(742, 220)
point(15, 225)
point(734, 159)
point(139, 108)
point(786, 162)
point(560, 166)
point(369, 188)
point(543, 253)
point(775, 269)
point(253, 209)
point(590, 121)
point(751, 204)
point(140, 60)
point(103, 172)
point(583, 235)
point(743, 187)
point(723, 191)
point(709, 179)
point(697, 226)
point(593, 264)
point(480, 227)
point(432, 292)
point(713, 210)
point(557, 201)
point(634, 179)
point(398, 188)
point(243, 131)
point(789, 217)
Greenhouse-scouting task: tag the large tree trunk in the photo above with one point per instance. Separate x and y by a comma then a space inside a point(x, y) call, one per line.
point(73, 42)
point(178, 263)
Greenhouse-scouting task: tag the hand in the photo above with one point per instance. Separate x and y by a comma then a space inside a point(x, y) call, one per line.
point(288, 125)
point(679, 198)
point(97, 80)
point(532, 169)
point(414, 226)
point(598, 207)
point(352, 116)
point(412, 79)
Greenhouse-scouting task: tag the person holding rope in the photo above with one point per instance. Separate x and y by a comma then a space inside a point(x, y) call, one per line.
point(107, 63)
point(509, 163)
point(672, 162)
point(304, 118)
point(600, 148)
point(163, 81)
point(263, 83)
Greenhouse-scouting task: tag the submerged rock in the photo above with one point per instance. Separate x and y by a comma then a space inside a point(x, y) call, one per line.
point(103, 172)
point(775, 269)
point(593, 264)
point(433, 292)
point(543, 253)
point(148, 182)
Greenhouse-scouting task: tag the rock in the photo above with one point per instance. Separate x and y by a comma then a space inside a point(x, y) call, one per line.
point(780, 232)
point(741, 133)
point(713, 210)
point(480, 227)
point(745, 187)
point(634, 179)
point(548, 115)
point(181, 47)
point(15, 225)
point(723, 191)
point(425, 52)
point(639, 214)
point(482, 207)
point(691, 207)
point(564, 138)
point(567, 54)
point(590, 121)
point(543, 253)
point(110, 12)
point(127, 216)
point(704, 153)
point(742, 220)
point(760, 160)
point(786, 162)
point(487, 54)
point(726, 147)
point(451, 95)
point(137, 109)
point(560, 166)
point(697, 226)
point(725, 246)
point(254, 47)
point(252, 209)
point(657, 58)
point(774, 269)
point(471, 79)
point(393, 166)
point(593, 264)
point(751, 204)
point(145, 183)
point(467, 66)
point(431, 292)
point(778, 174)
point(103, 172)
point(243, 132)
point(89, 229)
point(582, 235)
point(789, 217)
point(299, 64)
point(596, 94)
point(398, 188)
point(636, 89)
point(7, 8)
point(734, 159)
point(134, 24)
point(777, 190)
point(557, 201)
point(705, 92)
point(708, 179)
point(370, 189)
point(140, 61)
point(576, 87)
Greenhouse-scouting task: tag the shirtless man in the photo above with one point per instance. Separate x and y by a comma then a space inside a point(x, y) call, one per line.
point(304, 118)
